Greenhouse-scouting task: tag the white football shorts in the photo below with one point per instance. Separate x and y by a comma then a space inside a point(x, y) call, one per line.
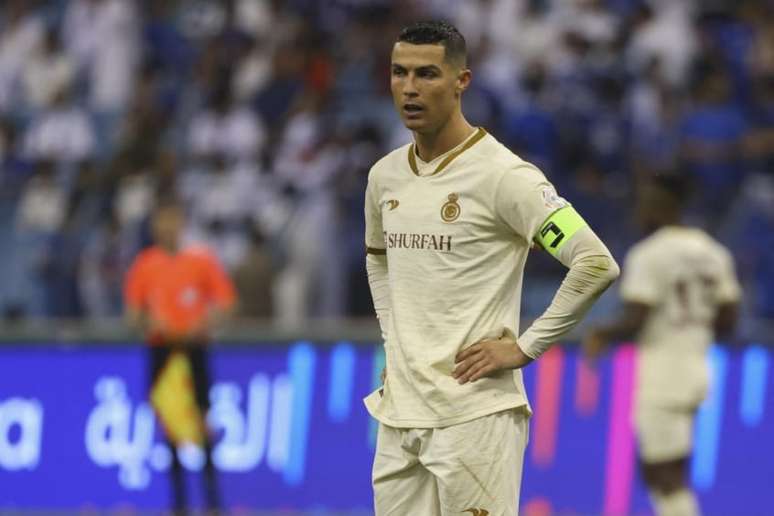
point(471, 468)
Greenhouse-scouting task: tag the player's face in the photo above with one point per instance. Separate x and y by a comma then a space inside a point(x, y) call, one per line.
point(167, 225)
point(426, 88)
point(652, 206)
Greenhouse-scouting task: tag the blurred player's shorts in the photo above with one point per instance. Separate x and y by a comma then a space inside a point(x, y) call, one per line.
point(664, 433)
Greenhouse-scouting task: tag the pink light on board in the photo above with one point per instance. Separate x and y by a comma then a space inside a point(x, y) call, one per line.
point(586, 388)
point(619, 467)
point(537, 507)
point(549, 388)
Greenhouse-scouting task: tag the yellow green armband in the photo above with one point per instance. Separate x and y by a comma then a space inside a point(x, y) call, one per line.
point(559, 228)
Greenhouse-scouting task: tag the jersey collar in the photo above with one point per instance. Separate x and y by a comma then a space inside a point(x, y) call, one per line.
point(412, 156)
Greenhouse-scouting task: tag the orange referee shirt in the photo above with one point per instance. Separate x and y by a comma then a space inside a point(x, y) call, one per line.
point(177, 290)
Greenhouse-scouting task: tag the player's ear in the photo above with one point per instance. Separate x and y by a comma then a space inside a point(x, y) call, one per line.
point(463, 80)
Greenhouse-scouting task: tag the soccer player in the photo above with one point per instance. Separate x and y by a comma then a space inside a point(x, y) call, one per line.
point(450, 220)
point(177, 296)
point(679, 290)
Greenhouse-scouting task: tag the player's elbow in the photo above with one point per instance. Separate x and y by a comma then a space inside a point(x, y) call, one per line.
point(605, 270)
point(613, 270)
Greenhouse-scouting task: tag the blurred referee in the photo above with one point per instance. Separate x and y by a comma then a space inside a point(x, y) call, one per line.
point(176, 296)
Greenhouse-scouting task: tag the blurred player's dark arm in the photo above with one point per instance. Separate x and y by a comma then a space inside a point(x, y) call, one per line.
point(624, 327)
point(726, 319)
point(628, 324)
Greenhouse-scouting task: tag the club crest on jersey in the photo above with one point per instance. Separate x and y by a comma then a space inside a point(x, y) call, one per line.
point(450, 211)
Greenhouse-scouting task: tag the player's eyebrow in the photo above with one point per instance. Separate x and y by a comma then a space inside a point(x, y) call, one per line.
point(422, 69)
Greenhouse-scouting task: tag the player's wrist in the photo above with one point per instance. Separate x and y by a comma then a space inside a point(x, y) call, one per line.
point(518, 357)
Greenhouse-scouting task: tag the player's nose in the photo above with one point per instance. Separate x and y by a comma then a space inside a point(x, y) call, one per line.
point(409, 88)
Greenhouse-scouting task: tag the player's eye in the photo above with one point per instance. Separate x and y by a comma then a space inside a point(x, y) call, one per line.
point(399, 72)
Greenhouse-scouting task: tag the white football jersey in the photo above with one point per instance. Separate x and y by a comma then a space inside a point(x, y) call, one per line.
point(456, 232)
point(684, 275)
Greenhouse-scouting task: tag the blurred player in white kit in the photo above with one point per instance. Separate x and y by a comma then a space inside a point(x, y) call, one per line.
point(679, 291)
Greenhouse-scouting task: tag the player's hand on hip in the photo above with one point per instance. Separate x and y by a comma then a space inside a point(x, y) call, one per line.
point(486, 357)
point(593, 344)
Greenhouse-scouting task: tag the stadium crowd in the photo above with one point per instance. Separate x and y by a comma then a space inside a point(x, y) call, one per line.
point(264, 116)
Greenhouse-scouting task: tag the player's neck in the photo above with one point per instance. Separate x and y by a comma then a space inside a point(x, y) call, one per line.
point(670, 223)
point(454, 132)
point(169, 247)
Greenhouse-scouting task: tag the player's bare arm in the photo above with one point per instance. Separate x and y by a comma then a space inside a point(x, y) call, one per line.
point(628, 324)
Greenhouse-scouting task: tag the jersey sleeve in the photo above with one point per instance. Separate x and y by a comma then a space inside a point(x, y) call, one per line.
point(220, 287)
point(639, 280)
point(525, 200)
point(134, 284)
point(374, 233)
point(729, 290)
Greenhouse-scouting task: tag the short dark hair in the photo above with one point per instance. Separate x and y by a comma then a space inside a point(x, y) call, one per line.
point(168, 201)
point(437, 33)
point(673, 183)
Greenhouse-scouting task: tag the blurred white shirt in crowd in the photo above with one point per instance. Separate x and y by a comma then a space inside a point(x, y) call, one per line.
point(238, 134)
point(63, 133)
point(45, 76)
point(103, 36)
point(669, 37)
point(588, 19)
point(17, 44)
point(252, 72)
point(42, 207)
point(134, 198)
point(221, 201)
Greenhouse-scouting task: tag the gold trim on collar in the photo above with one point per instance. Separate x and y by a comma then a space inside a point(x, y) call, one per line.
point(451, 157)
point(413, 159)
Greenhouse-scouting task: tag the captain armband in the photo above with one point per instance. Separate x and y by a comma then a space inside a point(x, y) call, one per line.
point(559, 228)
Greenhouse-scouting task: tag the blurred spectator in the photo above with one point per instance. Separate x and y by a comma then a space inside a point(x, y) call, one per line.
point(59, 270)
point(253, 70)
point(537, 42)
point(225, 128)
point(134, 197)
point(48, 73)
point(61, 133)
point(103, 37)
point(663, 33)
point(759, 146)
point(21, 33)
point(13, 167)
point(653, 106)
point(40, 213)
point(102, 269)
point(221, 195)
point(309, 161)
point(762, 49)
point(589, 20)
point(711, 135)
point(529, 129)
point(750, 230)
point(285, 84)
point(43, 204)
point(254, 277)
